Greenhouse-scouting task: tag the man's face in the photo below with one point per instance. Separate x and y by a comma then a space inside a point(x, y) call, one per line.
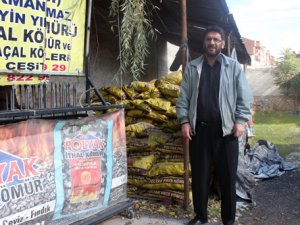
point(213, 44)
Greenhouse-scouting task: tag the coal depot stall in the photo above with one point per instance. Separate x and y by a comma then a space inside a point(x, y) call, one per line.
point(60, 164)
point(183, 24)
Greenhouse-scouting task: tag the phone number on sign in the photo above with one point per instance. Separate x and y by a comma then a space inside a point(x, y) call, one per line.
point(25, 78)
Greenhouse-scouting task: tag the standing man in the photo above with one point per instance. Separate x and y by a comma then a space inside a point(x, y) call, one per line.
point(213, 107)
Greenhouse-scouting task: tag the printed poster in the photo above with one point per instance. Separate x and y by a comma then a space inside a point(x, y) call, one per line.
point(61, 171)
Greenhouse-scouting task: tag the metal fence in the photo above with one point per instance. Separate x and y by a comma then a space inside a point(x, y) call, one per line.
point(55, 99)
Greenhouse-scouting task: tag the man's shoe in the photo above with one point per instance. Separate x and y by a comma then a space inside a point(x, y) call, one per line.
point(195, 221)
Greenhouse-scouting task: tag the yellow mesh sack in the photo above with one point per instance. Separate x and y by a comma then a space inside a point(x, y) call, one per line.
point(145, 162)
point(171, 124)
point(171, 112)
point(172, 195)
point(138, 129)
point(139, 144)
point(116, 91)
point(132, 189)
point(159, 103)
point(172, 78)
point(130, 92)
point(166, 169)
point(127, 104)
point(173, 157)
point(171, 148)
point(171, 90)
point(173, 100)
point(157, 116)
point(111, 99)
point(162, 183)
point(102, 91)
point(158, 136)
point(152, 93)
point(142, 154)
point(129, 120)
point(141, 104)
point(145, 119)
point(136, 113)
point(141, 86)
point(136, 180)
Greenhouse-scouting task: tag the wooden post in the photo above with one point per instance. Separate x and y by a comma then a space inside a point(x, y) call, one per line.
point(87, 50)
point(228, 44)
point(184, 42)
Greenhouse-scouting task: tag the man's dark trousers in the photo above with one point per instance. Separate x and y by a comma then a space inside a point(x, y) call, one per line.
point(209, 151)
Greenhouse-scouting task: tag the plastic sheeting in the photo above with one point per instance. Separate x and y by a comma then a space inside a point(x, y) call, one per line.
point(262, 161)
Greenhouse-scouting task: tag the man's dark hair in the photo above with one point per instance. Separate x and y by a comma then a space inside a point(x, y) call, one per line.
point(216, 29)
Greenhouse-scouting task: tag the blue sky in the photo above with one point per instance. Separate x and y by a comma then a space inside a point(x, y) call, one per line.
point(275, 23)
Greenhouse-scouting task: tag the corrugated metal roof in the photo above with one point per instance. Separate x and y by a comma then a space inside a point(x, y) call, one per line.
point(200, 14)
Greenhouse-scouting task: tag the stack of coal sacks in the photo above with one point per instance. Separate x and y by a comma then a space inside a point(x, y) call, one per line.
point(154, 145)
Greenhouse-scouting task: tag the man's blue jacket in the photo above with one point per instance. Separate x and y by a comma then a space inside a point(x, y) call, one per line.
point(235, 95)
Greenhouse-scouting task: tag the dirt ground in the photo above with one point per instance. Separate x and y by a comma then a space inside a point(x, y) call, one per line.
point(276, 202)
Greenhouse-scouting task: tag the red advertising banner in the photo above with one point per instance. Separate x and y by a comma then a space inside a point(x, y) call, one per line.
point(61, 171)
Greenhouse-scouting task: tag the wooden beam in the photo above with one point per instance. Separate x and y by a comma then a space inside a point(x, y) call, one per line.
point(184, 42)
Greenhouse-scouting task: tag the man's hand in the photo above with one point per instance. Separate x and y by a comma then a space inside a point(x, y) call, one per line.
point(238, 129)
point(186, 131)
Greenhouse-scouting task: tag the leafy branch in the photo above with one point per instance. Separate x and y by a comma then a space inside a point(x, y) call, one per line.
point(135, 29)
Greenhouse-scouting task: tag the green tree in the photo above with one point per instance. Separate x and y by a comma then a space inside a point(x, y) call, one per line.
point(287, 74)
